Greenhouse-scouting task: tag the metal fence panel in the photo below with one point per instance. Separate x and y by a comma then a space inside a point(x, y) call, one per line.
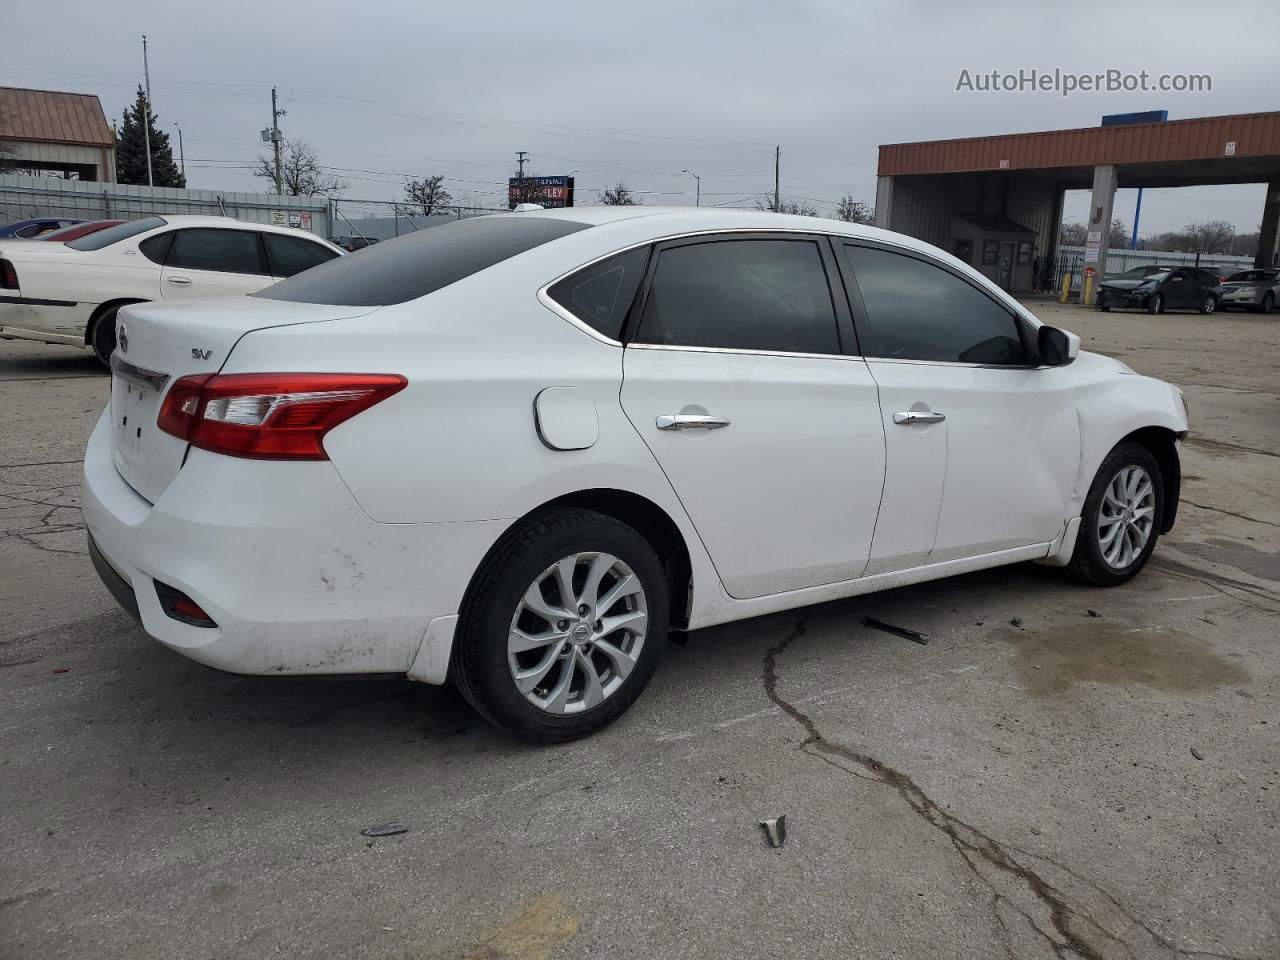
point(22, 197)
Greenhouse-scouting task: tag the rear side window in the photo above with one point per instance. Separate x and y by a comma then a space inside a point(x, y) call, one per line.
point(156, 248)
point(741, 295)
point(289, 255)
point(121, 231)
point(601, 294)
point(419, 263)
point(918, 311)
point(222, 251)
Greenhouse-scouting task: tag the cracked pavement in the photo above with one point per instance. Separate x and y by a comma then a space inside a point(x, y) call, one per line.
point(1010, 790)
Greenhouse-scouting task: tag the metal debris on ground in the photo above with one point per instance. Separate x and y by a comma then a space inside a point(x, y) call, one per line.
point(776, 830)
point(911, 635)
point(384, 830)
point(1197, 754)
point(1093, 613)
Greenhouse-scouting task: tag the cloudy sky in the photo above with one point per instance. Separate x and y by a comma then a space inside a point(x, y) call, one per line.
point(638, 92)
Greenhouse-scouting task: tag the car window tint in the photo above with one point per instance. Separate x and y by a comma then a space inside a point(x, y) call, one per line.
point(918, 311)
point(289, 255)
point(156, 248)
point(121, 231)
point(25, 233)
point(741, 295)
point(600, 295)
point(224, 251)
point(416, 264)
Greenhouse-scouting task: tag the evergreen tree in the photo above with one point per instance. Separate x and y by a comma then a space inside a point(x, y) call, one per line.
point(131, 151)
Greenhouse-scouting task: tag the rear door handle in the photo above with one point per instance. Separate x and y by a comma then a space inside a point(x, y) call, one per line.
point(687, 421)
point(178, 281)
point(918, 416)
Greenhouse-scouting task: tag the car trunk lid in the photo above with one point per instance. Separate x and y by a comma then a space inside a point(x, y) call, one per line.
point(159, 343)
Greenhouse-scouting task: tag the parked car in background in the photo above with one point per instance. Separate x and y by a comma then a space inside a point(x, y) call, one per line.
point(69, 293)
point(77, 230)
point(1137, 273)
point(28, 229)
point(1174, 288)
point(1256, 290)
point(352, 244)
point(515, 451)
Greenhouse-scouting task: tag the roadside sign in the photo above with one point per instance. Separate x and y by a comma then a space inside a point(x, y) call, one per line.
point(277, 217)
point(1231, 148)
point(295, 220)
point(1092, 244)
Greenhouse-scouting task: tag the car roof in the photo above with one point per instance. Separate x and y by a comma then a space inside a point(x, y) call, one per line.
point(231, 223)
point(673, 221)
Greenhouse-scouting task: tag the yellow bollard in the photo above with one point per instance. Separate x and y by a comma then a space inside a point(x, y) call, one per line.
point(1086, 293)
point(1066, 287)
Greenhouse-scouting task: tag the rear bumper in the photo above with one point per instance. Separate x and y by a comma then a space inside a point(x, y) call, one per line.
point(297, 578)
point(45, 321)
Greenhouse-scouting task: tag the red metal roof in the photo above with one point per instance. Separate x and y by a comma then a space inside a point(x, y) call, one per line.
point(53, 117)
point(1202, 138)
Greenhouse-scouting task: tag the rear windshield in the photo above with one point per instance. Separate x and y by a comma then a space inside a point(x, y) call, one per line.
point(419, 263)
point(121, 231)
point(1253, 275)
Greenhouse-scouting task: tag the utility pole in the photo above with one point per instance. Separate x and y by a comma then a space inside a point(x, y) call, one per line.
point(777, 165)
point(182, 156)
point(697, 201)
point(146, 116)
point(276, 114)
point(521, 155)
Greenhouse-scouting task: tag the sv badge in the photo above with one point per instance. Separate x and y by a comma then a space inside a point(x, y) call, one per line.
point(198, 354)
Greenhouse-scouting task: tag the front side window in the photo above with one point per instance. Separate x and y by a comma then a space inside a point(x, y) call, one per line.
point(222, 251)
point(289, 255)
point(741, 295)
point(601, 294)
point(918, 311)
point(121, 231)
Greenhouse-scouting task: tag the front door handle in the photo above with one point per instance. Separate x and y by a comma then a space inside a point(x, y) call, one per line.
point(686, 421)
point(178, 281)
point(918, 416)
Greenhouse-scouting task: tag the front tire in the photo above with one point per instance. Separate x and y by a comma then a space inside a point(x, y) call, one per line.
point(103, 337)
point(1156, 303)
point(563, 626)
point(1269, 302)
point(1120, 522)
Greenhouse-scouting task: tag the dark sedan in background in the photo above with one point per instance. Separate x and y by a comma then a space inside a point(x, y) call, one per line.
point(1256, 290)
point(1173, 288)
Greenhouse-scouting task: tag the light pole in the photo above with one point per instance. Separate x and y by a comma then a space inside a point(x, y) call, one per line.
point(182, 156)
point(697, 196)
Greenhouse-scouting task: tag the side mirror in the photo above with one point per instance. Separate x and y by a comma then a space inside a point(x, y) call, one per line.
point(1057, 347)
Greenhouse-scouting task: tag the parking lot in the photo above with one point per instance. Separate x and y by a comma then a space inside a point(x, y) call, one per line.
point(1060, 771)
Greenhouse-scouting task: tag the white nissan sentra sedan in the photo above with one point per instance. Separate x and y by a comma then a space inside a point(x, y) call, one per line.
point(516, 451)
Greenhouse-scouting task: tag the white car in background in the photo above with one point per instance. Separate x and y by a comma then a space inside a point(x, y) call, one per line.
point(516, 450)
point(69, 293)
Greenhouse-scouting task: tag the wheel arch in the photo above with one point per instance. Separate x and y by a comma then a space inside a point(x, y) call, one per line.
point(638, 512)
point(1163, 445)
point(101, 309)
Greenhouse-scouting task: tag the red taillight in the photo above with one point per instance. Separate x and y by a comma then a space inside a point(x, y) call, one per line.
point(8, 276)
point(269, 416)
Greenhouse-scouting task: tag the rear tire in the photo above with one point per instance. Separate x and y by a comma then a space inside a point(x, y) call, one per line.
point(1104, 308)
point(588, 674)
point(1156, 303)
point(103, 338)
point(1121, 519)
point(1269, 302)
point(1209, 304)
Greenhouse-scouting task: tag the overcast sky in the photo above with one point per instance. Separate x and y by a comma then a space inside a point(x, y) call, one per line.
point(639, 92)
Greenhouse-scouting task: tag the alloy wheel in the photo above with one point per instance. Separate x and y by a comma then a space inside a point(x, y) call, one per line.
point(577, 633)
point(1126, 516)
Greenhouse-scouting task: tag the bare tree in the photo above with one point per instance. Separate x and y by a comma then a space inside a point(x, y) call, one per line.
point(619, 195)
point(1074, 233)
point(301, 172)
point(1119, 235)
point(429, 194)
point(852, 211)
point(787, 206)
point(1212, 236)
